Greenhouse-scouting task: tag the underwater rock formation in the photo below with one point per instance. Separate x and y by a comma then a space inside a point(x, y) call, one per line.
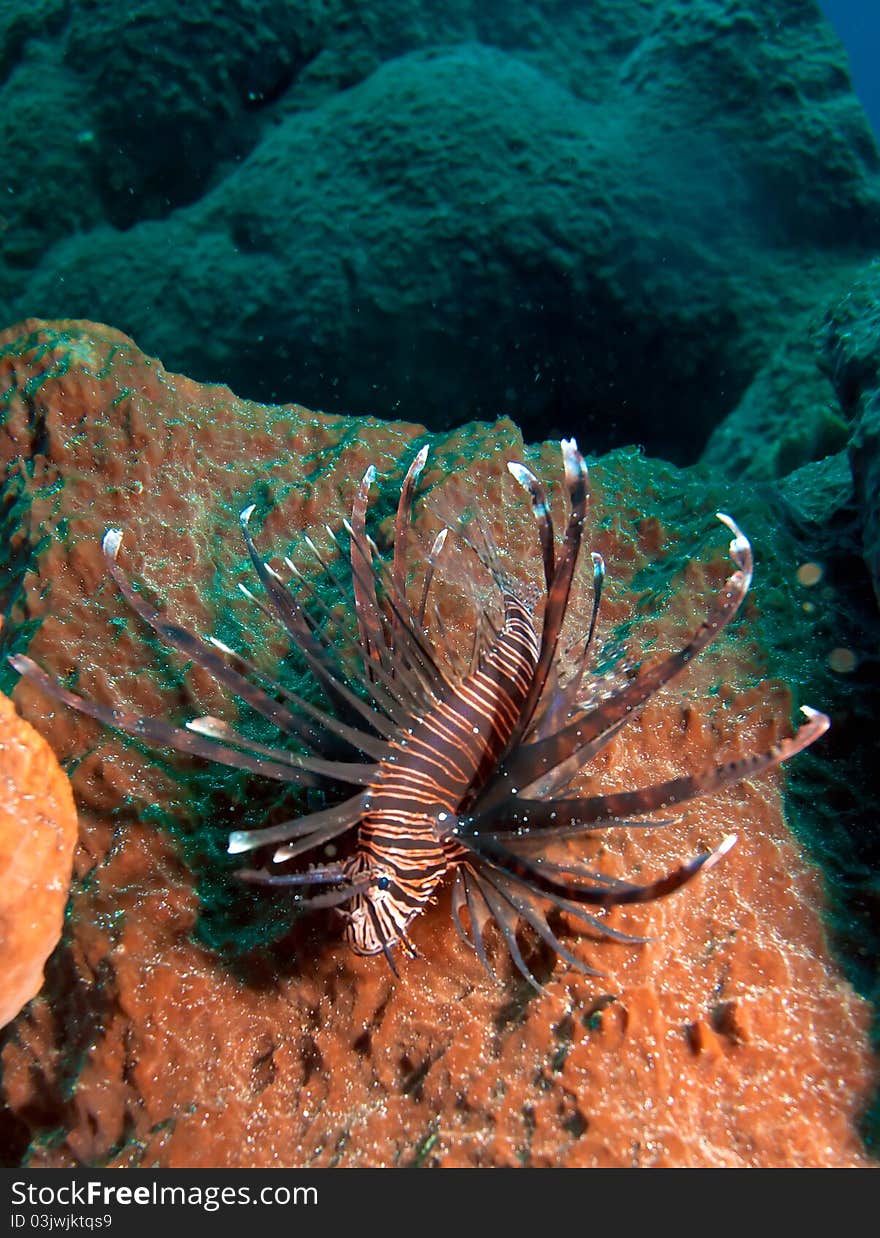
point(849, 342)
point(818, 397)
point(600, 216)
point(37, 836)
point(788, 417)
point(188, 1021)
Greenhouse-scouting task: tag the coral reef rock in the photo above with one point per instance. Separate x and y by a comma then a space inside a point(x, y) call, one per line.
point(441, 210)
point(191, 1021)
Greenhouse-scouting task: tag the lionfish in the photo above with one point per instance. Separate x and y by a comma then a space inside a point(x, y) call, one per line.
point(461, 770)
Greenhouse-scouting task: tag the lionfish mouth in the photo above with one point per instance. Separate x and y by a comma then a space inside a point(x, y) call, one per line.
point(436, 766)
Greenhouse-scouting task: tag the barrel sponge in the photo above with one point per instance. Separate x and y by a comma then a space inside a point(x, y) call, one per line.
point(38, 830)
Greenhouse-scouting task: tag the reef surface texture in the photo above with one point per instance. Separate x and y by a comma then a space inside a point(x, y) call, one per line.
point(38, 833)
point(848, 348)
point(610, 212)
point(187, 1021)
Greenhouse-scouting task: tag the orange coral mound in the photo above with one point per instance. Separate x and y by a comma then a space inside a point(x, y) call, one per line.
point(37, 835)
point(730, 1038)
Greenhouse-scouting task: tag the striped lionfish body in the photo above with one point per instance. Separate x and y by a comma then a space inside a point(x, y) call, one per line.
point(438, 770)
point(443, 761)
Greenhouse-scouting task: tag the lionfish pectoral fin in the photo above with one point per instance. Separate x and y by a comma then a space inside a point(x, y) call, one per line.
point(528, 816)
point(479, 914)
point(574, 744)
point(482, 891)
point(541, 512)
point(430, 567)
point(506, 919)
point(740, 547)
point(213, 659)
point(369, 616)
point(559, 589)
point(562, 699)
point(288, 610)
point(402, 522)
point(389, 959)
point(598, 582)
point(311, 830)
point(327, 874)
point(459, 904)
point(331, 898)
point(600, 893)
point(157, 733)
point(559, 902)
point(526, 904)
point(397, 644)
point(408, 945)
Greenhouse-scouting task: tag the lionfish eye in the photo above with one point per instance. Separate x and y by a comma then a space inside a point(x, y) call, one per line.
point(383, 883)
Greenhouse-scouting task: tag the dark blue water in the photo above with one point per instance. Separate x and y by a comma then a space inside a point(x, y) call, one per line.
point(857, 22)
